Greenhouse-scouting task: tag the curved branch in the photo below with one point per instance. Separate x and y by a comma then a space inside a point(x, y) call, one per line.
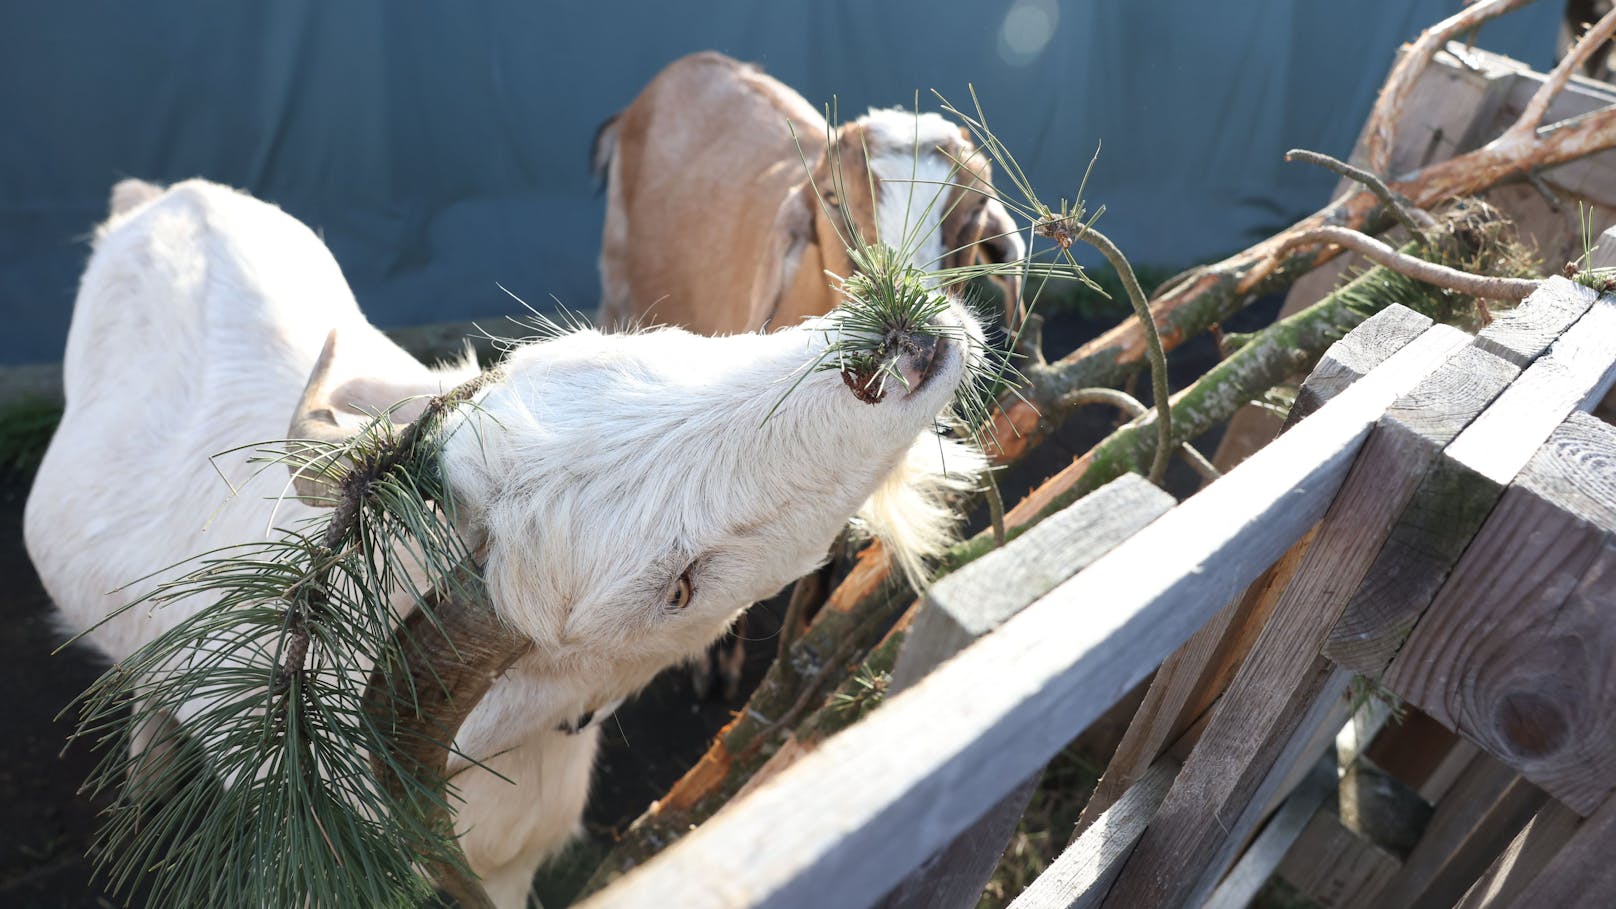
point(1464, 282)
point(1538, 106)
point(1381, 129)
point(1134, 408)
point(1158, 357)
point(1416, 220)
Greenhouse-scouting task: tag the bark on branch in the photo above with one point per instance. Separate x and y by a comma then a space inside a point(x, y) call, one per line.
point(1487, 286)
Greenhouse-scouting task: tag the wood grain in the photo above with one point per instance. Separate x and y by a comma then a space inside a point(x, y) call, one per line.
point(1461, 489)
point(1282, 831)
point(1516, 650)
point(847, 822)
point(979, 597)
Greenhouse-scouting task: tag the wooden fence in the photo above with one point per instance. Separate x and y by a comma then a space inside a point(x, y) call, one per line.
point(1438, 520)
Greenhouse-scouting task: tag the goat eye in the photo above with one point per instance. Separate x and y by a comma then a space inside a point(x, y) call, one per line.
point(831, 200)
point(682, 592)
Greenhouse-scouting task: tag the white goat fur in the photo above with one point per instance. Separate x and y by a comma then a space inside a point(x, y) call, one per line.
point(605, 466)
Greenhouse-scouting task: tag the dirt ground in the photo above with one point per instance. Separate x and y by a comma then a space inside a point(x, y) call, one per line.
point(46, 824)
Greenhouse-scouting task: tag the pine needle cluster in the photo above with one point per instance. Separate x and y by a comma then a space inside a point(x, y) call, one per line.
point(266, 794)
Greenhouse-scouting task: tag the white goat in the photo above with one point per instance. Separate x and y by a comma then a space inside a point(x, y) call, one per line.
point(630, 493)
point(713, 223)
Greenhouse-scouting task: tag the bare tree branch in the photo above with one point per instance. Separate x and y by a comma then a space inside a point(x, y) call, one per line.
point(1416, 220)
point(1380, 130)
point(1538, 106)
point(1487, 286)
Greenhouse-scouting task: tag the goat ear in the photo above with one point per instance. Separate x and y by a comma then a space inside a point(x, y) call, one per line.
point(332, 408)
point(780, 281)
point(981, 228)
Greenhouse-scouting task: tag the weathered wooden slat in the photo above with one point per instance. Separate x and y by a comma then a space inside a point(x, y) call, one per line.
point(1516, 650)
point(1263, 857)
point(1190, 680)
point(1583, 874)
point(1081, 875)
point(847, 822)
point(1217, 799)
point(1471, 826)
point(1514, 870)
point(1461, 488)
point(972, 602)
point(981, 596)
point(1334, 866)
point(1352, 357)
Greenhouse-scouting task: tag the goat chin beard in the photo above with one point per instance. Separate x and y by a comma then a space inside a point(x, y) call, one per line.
point(911, 513)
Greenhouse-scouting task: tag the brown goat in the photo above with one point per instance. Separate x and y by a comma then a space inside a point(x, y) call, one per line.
point(713, 223)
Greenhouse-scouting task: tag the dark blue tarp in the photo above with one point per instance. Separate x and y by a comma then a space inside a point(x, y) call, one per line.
point(441, 147)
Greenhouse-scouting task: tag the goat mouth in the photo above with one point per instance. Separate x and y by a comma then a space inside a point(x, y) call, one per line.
point(908, 361)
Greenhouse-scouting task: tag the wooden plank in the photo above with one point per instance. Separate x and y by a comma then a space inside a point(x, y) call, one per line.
point(1515, 651)
point(1470, 827)
point(1190, 680)
point(1216, 799)
point(1261, 860)
point(845, 823)
point(1525, 857)
point(1582, 875)
point(1334, 866)
point(1081, 875)
point(972, 602)
point(1460, 490)
point(978, 598)
point(1351, 358)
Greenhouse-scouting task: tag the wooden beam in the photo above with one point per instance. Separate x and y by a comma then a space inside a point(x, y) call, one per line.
point(1081, 875)
point(1217, 800)
point(1263, 858)
point(972, 602)
point(1459, 491)
point(1582, 875)
point(1515, 651)
point(1190, 681)
point(847, 822)
point(1514, 870)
